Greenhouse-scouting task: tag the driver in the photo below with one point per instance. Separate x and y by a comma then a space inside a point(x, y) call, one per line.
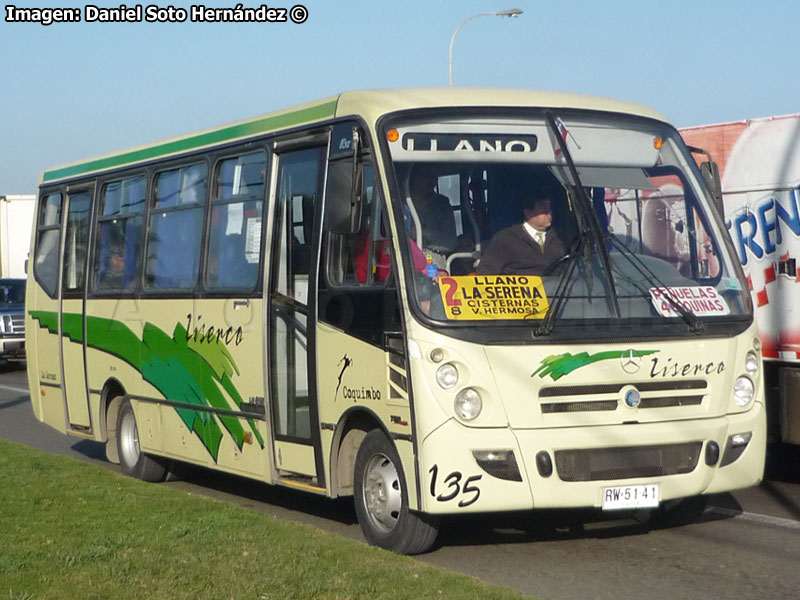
point(527, 248)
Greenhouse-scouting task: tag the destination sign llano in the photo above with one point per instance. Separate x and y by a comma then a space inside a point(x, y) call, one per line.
point(486, 297)
point(469, 142)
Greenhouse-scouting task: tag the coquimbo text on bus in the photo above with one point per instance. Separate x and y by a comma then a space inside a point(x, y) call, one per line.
point(298, 298)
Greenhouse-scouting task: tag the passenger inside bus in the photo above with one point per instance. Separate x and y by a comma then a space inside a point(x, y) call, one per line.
point(433, 209)
point(381, 250)
point(663, 231)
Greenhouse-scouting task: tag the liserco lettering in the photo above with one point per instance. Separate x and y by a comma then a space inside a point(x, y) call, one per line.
point(558, 365)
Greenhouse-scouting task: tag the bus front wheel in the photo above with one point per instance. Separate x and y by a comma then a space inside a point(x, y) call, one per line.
point(133, 461)
point(381, 500)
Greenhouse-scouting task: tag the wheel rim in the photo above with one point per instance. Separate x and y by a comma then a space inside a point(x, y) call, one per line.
point(383, 497)
point(129, 439)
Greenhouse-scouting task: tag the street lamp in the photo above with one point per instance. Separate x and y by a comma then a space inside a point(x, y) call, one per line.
point(509, 12)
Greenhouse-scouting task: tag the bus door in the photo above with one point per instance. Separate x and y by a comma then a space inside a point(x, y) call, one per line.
point(43, 298)
point(73, 310)
point(296, 194)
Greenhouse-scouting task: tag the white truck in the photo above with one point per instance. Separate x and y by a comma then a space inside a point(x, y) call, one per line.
point(759, 166)
point(16, 221)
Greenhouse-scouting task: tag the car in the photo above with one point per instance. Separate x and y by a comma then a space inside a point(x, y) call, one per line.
point(12, 318)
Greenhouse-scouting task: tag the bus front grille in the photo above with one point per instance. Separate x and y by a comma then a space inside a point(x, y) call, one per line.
point(607, 396)
point(581, 406)
point(627, 462)
point(608, 405)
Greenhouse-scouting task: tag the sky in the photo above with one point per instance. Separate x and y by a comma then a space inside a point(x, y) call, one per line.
point(69, 91)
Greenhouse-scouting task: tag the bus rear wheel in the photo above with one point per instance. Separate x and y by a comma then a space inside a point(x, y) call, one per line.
point(133, 461)
point(381, 499)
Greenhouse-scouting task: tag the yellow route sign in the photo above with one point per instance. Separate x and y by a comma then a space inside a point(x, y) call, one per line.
point(485, 297)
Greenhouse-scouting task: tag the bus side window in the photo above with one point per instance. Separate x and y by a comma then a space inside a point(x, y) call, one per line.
point(176, 228)
point(76, 241)
point(119, 234)
point(45, 265)
point(234, 246)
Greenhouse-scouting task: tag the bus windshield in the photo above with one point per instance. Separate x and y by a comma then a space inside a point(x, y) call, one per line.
point(550, 220)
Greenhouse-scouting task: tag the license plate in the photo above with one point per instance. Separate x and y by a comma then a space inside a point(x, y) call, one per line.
point(630, 496)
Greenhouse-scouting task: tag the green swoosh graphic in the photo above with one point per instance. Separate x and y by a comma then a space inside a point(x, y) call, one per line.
point(558, 365)
point(181, 370)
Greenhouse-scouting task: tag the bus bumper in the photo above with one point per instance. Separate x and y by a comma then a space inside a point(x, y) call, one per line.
point(678, 457)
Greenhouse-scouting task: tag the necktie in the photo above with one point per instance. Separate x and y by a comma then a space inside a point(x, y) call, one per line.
point(540, 239)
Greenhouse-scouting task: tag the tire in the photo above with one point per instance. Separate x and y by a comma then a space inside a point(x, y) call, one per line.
point(381, 499)
point(133, 461)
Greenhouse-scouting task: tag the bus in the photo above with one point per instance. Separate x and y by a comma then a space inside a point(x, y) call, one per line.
point(297, 298)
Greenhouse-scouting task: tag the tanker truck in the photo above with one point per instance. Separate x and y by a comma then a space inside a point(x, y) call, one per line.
point(758, 162)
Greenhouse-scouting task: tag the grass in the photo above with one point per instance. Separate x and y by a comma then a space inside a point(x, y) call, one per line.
point(69, 529)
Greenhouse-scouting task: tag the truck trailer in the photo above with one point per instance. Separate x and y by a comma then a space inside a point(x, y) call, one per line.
point(759, 167)
point(16, 220)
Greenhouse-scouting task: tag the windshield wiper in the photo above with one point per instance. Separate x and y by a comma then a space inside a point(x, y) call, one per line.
point(695, 324)
point(589, 230)
point(546, 326)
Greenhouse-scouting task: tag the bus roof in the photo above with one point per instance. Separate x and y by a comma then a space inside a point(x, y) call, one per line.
point(370, 104)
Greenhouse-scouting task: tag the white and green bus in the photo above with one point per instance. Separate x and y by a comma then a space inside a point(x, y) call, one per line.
point(281, 298)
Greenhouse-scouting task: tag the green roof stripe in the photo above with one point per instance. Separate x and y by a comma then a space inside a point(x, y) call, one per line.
point(264, 125)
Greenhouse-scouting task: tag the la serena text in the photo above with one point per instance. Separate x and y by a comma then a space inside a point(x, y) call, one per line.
point(493, 288)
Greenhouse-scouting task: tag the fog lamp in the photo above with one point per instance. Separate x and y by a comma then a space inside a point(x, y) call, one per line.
point(498, 463)
point(737, 443)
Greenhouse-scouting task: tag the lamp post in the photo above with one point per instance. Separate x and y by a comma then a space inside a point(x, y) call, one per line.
point(509, 12)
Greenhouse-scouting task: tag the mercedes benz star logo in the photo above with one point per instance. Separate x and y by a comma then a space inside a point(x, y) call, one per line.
point(630, 362)
point(632, 397)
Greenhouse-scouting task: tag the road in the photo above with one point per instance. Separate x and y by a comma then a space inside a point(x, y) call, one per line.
point(745, 545)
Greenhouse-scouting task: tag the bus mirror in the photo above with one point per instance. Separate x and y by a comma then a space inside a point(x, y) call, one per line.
point(710, 172)
point(357, 185)
point(344, 194)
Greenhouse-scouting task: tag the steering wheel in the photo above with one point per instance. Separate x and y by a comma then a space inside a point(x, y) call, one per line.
point(556, 265)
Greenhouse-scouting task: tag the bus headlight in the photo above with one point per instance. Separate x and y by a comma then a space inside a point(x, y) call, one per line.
point(447, 375)
point(743, 391)
point(468, 404)
point(751, 363)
